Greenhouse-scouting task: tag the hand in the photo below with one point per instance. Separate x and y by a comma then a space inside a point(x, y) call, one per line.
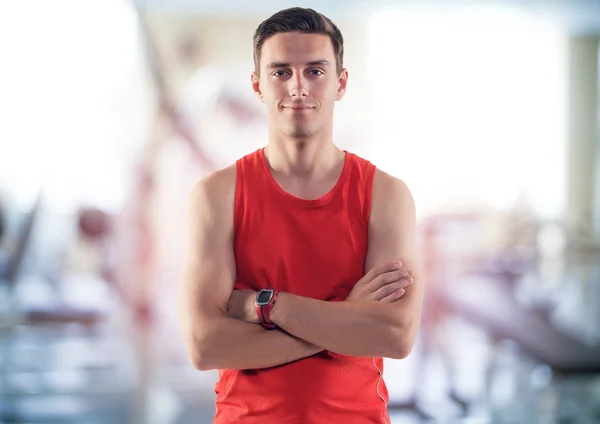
point(385, 283)
point(241, 306)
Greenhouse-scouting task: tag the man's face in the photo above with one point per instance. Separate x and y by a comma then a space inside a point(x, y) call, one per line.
point(299, 83)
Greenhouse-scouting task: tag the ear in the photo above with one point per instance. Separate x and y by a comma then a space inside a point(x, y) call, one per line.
point(343, 81)
point(255, 80)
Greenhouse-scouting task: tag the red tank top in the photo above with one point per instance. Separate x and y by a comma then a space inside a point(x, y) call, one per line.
point(312, 248)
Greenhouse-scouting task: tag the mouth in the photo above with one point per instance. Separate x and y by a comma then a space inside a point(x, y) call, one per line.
point(298, 108)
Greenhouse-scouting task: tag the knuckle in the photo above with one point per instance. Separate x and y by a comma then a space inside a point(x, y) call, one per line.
point(373, 275)
point(393, 276)
point(382, 279)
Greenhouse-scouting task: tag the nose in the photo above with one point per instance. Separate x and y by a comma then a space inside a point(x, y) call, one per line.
point(298, 86)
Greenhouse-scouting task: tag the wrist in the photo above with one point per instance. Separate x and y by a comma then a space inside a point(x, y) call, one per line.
point(263, 305)
point(277, 310)
point(251, 315)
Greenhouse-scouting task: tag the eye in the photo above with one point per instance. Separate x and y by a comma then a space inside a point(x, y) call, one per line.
point(279, 73)
point(316, 72)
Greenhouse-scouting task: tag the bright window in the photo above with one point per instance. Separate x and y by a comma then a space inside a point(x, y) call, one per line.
point(469, 106)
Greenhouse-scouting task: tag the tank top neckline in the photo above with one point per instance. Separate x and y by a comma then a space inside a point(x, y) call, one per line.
point(311, 203)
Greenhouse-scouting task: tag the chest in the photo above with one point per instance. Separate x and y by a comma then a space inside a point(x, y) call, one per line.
point(317, 253)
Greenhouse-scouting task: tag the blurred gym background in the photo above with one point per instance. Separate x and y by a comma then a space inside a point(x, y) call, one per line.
point(110, 110)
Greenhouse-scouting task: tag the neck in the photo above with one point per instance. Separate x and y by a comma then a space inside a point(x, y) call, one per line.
point(307, 159)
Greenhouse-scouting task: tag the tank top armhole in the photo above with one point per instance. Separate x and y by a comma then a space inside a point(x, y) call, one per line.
point(238, 197)
point(369, 179)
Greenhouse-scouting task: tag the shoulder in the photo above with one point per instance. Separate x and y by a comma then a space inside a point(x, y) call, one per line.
point(216, 182)
point(214, 194)
point(391, 196)
point(391, 187)
point(387, 190)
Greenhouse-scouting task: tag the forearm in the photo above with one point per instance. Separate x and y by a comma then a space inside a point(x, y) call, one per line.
point(234, 344)
point(357, 328)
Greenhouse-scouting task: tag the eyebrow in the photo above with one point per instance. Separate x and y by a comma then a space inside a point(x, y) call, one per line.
point(273, 65)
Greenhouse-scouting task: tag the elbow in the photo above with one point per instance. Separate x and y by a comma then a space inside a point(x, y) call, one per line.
point(201, 340)
point(200, 361)
point(200, 354)
point(401, 350)
point(403, 340)
point(202, 365)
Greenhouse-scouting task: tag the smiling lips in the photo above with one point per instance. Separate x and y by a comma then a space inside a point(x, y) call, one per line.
point(298, 107)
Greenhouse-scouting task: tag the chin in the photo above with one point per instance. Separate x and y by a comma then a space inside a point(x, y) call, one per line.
point(303, 132)
point(300, 135)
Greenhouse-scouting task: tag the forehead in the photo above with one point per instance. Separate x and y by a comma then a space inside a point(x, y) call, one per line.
point(294, 47)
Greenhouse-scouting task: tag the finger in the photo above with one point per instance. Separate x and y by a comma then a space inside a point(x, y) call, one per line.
point(368, 276)
point(407, 277)
point(389, 267)
point(386, 290)
point(407, 273)
point(406, 281)
point(392, 266)
point(386, 278)
point(378, 270)
point(391, 298)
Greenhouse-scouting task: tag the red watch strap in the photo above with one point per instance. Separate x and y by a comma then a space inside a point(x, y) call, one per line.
point(264, 320)
point(264, 313)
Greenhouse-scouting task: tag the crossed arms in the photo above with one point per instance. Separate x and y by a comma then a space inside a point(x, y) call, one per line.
point(380, 317)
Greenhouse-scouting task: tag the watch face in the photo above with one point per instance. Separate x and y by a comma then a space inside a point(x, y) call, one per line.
point(264, 297)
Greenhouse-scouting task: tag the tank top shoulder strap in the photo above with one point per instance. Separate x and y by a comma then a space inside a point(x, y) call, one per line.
point(248, 176)
point(360, 181)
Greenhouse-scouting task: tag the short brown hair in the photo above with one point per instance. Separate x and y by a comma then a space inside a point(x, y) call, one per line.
point(303, 20)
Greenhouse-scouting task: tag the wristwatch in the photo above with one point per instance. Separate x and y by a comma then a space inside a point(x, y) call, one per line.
point(265, 299)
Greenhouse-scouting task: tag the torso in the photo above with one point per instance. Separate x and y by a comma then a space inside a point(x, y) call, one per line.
point(313, 248)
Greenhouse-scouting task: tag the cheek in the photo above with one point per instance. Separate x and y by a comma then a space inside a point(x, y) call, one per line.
point(272, 95)
point(327, 92)
point(269, 99)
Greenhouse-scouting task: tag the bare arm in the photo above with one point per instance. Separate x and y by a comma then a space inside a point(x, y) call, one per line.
point(212, 339)
point(367, 328)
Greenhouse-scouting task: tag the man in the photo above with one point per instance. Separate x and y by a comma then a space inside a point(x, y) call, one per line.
point(273, 291)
